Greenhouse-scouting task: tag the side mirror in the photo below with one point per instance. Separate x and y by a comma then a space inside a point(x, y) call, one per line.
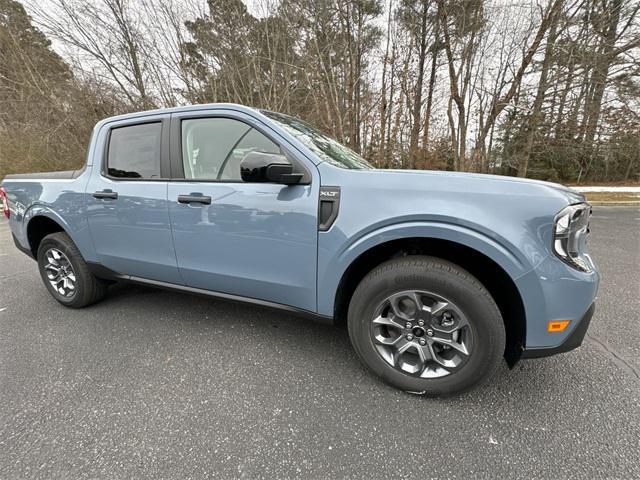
point(268, 168)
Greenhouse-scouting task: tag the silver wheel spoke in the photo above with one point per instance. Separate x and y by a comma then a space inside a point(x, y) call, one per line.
point(387, 321)
point(387, 340)
point(400, 347)
point(435, 357)
point(425, 354)
point(438, 307)
point(455, 345)
point(417, 300)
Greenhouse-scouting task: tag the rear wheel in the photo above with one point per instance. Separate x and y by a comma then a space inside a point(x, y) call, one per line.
point(426, 325)
point(66, 274)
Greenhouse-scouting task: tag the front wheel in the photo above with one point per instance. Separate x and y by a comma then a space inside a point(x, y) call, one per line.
point(65, 273)
point(426, 326)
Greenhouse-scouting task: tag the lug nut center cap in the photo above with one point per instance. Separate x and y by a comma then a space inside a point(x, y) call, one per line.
point(418, 331)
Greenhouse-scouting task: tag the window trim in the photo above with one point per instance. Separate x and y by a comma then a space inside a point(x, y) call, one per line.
point(177, 166)
point(164, 150)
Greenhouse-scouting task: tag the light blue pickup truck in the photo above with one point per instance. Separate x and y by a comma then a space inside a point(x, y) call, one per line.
point(439, 275)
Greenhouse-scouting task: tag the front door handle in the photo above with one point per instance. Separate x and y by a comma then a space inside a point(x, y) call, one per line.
point(194, 199)
point(105, 194)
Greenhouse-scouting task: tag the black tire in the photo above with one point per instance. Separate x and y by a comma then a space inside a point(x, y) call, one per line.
point(88, 288)
point(449, 281)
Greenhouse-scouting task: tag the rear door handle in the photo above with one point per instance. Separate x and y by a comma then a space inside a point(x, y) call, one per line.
point(194, 199)
point(105, 194)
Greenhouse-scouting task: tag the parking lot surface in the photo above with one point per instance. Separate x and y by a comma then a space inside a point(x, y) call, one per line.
point(153, 384)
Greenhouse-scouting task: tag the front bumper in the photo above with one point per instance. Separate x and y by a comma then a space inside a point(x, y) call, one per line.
point(555, 291)
point(573, 341)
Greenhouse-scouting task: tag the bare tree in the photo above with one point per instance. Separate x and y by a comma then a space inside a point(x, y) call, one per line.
point(105, 32)
point(543, 88)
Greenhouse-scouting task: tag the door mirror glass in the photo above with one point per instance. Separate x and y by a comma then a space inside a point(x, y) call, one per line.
point(268, 168)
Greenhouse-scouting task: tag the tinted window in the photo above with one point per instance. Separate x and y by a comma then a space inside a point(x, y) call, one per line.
point(213, 148)
point(134, 152)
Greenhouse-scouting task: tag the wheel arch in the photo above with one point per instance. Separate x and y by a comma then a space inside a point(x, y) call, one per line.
point(494, 277)
point(38, 227)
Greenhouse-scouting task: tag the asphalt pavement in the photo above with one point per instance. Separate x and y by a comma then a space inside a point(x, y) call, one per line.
point(153, 384)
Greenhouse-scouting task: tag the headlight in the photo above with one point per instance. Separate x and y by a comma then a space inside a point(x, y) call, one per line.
point(570, 235)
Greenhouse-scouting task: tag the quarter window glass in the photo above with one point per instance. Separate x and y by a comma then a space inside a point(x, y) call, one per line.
point(213, 148)
point(134, 151)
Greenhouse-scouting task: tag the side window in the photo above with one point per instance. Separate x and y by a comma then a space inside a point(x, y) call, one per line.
point(134, 151)
point(213, 148)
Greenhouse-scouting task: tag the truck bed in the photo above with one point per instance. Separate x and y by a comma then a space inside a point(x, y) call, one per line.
point(62, 175)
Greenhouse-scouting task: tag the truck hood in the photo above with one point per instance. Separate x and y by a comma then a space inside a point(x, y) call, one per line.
point(470, 182)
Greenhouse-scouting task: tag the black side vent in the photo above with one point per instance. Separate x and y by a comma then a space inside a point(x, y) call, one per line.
point(328, 207)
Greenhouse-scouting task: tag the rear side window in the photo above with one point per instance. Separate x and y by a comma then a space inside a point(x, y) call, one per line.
point(134, 151)
point(213, 148)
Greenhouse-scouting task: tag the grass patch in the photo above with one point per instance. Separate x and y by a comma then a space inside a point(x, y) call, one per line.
point(612, 196)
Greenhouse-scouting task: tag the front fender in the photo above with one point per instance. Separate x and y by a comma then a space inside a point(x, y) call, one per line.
point(333, 262)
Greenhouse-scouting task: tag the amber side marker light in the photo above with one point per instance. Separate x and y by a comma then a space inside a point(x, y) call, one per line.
point(557, 325)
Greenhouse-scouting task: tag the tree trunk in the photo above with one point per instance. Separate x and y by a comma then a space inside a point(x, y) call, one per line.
point(536, 117)
point(599, 77)
point(417, 97)
point(383, 100)
point(432, 83)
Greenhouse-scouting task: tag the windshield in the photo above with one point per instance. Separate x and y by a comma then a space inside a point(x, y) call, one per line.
point(322, 145)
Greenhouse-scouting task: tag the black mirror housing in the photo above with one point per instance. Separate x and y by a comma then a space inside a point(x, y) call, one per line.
point(259, 167)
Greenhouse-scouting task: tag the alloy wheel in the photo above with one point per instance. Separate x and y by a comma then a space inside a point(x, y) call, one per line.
point(60, 272)
point(421, 334)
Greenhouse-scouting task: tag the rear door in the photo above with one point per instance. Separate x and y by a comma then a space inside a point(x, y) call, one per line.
point(255, 240)
point(127, 200)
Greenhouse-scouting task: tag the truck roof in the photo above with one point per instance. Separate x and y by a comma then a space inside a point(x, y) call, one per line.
point(187, 108)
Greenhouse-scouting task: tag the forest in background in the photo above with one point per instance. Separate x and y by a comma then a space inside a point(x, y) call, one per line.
point(546, 89)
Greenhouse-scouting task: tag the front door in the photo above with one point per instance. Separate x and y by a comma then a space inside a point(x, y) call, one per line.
point(127, 201)
point(255, 240)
